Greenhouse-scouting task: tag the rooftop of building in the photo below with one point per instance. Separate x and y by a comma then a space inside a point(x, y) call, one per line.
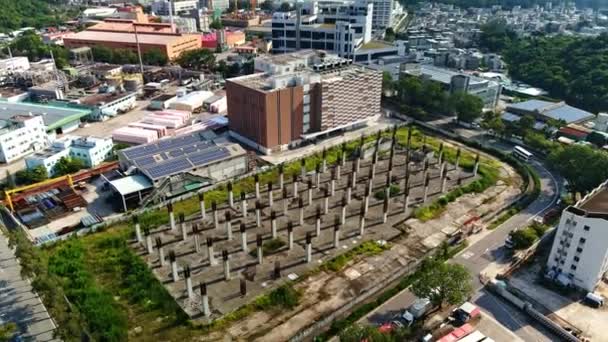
point(444, 75)
point(128, 25)
point(180, 154)
point(53, 116)
point(596, 201)
point(375, 44)
point(128, 38)
point(553, 110)
point(103, 98)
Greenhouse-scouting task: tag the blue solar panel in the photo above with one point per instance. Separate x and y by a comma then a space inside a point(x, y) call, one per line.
point(190, 149)
point(176, 153)
point(145, 161)
point(208, 155)
point(169, 168)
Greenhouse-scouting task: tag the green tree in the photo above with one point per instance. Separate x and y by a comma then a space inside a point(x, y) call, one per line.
point(7, 330)
point(67, 165)
point(102, 54)
point(124, 56)
point(31, 176)
point(387, 82)
point(389, 34)
point(495, 35)
point(358, 333)
point(523, 238)
point(199, 59)
point(598, 139)
point(216, 24)
point(154, 57)
point(467, 107)
point(492, 121)
point(443, 283)
point(285, 7)
point(10, 181)
point(267, 5)
point(526, 124)
point(582, 166)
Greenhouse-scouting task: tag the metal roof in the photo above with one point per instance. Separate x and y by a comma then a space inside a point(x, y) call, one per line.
point(53, 117)
point(131, 184)
point(557, 111)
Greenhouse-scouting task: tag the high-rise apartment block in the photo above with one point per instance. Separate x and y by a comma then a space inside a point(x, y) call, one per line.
point(579, 255)
point(300, 96)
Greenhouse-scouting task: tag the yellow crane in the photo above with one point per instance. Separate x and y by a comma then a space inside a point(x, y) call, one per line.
point(8, 193)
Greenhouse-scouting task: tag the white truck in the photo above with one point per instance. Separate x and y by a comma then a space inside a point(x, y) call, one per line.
point(420, 307)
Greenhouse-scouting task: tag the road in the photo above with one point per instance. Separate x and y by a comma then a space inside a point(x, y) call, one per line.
point(485, 252)
point(18, 303)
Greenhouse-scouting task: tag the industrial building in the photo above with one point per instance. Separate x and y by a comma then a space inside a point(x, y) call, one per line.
point(200, 153)
point(453, 81)
point(543, 111)
point(108, 104)
point(56, 119)
point(20, 135)
point(166, 7)
point(91, 150)
point(298, 97)
point(579, 255)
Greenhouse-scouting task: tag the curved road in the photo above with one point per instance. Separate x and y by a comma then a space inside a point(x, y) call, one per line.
point(486, 251)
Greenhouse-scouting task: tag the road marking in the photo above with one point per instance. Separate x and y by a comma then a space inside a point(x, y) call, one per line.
point(467, 255)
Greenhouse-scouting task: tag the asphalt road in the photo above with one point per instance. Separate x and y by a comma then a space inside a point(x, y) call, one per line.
point(481, 254)
point(18, 303)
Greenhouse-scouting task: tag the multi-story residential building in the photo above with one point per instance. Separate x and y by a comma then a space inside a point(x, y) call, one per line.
point(298, 97)
point(452, 81)
point(337, 26)
point(13, 65)
point(382, 15)
point(91, 150)
point(20, 135)
point(579, 255)
point(178, 7)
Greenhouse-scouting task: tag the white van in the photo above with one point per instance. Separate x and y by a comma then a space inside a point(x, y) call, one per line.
point(594, 300)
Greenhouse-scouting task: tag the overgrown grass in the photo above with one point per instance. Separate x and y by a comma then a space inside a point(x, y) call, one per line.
point(367, 248)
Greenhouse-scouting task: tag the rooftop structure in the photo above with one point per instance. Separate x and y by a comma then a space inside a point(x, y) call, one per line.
point(299, 97)
point(122, 25)
point(60, 119)
point(196, 152)
point(545, 110)
point(579, 255)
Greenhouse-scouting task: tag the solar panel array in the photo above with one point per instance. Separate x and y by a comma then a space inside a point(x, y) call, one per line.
point(176, 155)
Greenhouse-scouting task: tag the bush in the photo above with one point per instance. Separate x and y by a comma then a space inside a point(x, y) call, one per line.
point(523, 238)
point(271, 246)
point(393, 191)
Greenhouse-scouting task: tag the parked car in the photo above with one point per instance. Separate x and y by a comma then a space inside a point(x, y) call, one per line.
point(466, 312)
point(594, 300)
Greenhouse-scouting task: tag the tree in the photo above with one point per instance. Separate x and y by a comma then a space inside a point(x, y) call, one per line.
point(467, 107)
point(268, 5)
point(492, 121)
point(525, 124)
point(387, 82)
point(102, 54)
point(31, 176)
point(10, 182)
point(199, 59)
point(154, 57)
point(7, 330)
point(598, 139)
point(582, 166)
point(67, 165)
point(285, 7)
point(443, 283)
point(523, 238)
point(389, 34)
point(358, 333)
point(216, 24)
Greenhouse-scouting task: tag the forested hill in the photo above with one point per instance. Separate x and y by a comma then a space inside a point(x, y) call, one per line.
point(15, 14)
point(509, 3)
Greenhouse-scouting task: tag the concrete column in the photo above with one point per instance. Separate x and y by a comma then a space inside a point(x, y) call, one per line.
point(188, 282)
point(243, 287)
point(476, 167)
point(174, 270)
point(385, 210)
point(182, 226)
point(309, 192)
point(260, 252)
point(343, 216)
point(317, 175)
point(343, 155)
point(228, 225)
point(361, 225)
point(318, 222)
point(285, 202)
point(357, 164)
point(243, 237)
point(444, 179)
point(326, 201)
point(366, 201)
point(210, 253)
point(353, 179)
point(258, 218)
point(301, 207)
point(303, 168)
point(442, 168)
point(426, 188)
point(216, 221)
point(273, 224)
point(333, 183)
point(440, 157)
point(308, 248)
point(161, 251)
point(281, 177)
point(171, 216)
point(205, 300)
point(270, 195)
point(137, 229)
point(230, 195)
point(348, 194)
point(373, 169)
point(457, 159)
point(295, 186)
point(148, 240)
point(290, 235)
point(337, 235)
point(226, 265)
point(243, 204)
point(338, 172)
point(425, 169)
point(201, 201)
point(197, 245)
point(406, 200)
point(324, 165)
point(257, 186)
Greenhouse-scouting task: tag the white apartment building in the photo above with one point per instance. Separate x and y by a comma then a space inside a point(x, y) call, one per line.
point(579, 255)
point(20, 136)
point(91, 150)
point(161, 7)
point(340, 27)
point(382, 15)
point(14, 64)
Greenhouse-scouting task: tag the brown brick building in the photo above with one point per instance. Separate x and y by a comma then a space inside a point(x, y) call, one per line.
point(270, 111)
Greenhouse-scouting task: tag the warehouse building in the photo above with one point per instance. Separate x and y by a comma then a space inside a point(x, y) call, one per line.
point(56, 119)
point(298, 97)
point(544, 111)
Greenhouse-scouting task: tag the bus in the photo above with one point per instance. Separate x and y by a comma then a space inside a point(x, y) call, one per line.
point(521, 153)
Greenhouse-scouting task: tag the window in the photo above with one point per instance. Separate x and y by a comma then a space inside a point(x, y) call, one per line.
point(573, 267)
point(586, 228)
point(582, 240)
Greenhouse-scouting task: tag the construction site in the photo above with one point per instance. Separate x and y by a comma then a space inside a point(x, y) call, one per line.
point(222, 258)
